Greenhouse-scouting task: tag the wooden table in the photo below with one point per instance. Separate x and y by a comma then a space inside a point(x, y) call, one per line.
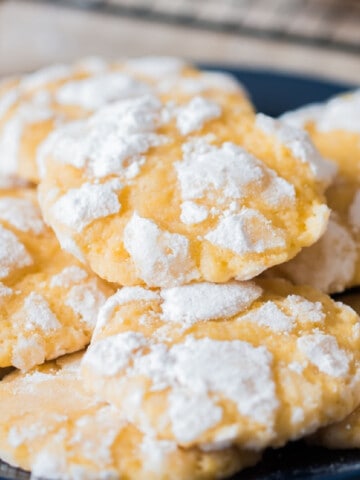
point(33, 34)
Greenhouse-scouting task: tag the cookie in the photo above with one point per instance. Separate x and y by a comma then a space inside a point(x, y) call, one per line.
point(33, 105)
point(333, 264)
point(165, 193)
point(50, 425)
point(48, 300)
point(344, 434)
point(248, 363)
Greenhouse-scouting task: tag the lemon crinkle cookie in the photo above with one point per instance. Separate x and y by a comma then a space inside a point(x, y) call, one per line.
point(333, 263)
point(48, 301)
point(247, 363)
point(34, 105)
point(346, 433)
point(49, 424)
point(164, 193)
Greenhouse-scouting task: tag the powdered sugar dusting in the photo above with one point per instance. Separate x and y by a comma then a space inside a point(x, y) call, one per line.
point(304, 310)
point(341, 113)
point(28, 352)
point(85, 300)
point(323, 351)
point(13, 254)
point(191, 213)
point(8, 100)
point(45, 76)
point(161, 258)
point(68, 276)
point(300, 145)
point(207, 301)
point(204, 167)
point(35, 110)
point(5, 291)
point(112, 354)
point(271, 316)
point(300, 117)
point(38, 313)
point(193, 115)
point(121, 297)
point(112, 141)
point(329, 264)
point(21, 214)
point(246, 232)
point(95, 92)
point(188, 420)
point(11, 181)
point(155, 452)
point(81, 206)
point(212, 366)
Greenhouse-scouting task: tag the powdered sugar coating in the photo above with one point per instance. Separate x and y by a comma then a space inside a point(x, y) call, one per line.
point(79, 207)
point(113, 354)
point(160, 258)
point(304, 310)
point(212, 366)
point(191, 213)
point(246, 232)
point(44, 76)
point(110, 142)
point(339, 113)
point(11, 181)
point(38, 313)
point(69, 276)
point(271, 316)
point(22, 214)
point(13, 254)
point(121, 297)
point(195, 369)
point(28, 352)
point(188, 421)
point(206, 301)
point(205, 167)
point(35, 110)
point(300, 145)
point(94, 92)
point(323, 351)
point(300, 117)
point(193, 115)
point(5, 291)
point(85, 300)
point(329, 265)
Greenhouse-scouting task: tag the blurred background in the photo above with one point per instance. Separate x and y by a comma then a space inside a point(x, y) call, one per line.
point(317, 37)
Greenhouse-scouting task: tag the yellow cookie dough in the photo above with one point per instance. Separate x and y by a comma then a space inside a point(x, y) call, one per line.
point(50, 425)
point(48, 301)
point(34, 105)
point(163, 193)
point(333, 264)
point(248, 363)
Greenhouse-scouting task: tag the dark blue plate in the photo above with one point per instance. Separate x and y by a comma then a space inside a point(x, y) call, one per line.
point(275, 93)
